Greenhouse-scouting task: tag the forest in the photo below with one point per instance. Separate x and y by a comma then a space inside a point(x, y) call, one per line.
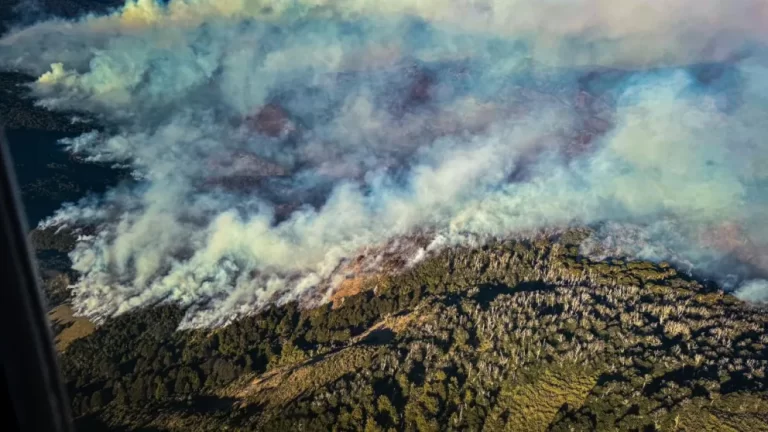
point(516, 335)
point(520, 335)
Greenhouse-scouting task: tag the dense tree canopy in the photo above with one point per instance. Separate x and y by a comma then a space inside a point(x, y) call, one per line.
point(523, 335)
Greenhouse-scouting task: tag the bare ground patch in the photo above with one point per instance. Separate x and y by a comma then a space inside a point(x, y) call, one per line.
point(73, 327)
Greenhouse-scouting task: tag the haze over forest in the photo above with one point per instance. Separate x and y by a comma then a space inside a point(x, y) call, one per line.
point(272, 142)
point(397, 215)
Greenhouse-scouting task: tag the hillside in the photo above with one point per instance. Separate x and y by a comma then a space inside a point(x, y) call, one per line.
point(241, 144)
point(518, 335)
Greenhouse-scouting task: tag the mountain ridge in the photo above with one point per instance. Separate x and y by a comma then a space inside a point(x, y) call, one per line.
point(468, 339)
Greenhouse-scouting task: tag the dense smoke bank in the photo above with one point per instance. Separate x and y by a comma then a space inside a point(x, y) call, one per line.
point(274, 141)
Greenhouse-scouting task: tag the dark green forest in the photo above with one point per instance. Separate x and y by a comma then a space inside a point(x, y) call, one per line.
point(517, 335)
point(18, 109)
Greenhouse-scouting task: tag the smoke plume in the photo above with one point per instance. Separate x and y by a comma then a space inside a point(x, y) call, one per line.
point(273, 140)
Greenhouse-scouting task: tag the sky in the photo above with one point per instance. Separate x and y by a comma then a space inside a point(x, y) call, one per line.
point(273, 141)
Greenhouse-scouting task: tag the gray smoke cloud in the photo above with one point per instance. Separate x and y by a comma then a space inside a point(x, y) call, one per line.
point(753, 291)
point(273, 140)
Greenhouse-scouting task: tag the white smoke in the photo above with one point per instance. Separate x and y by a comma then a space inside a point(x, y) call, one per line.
point(272, 140)
point(755, 291)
